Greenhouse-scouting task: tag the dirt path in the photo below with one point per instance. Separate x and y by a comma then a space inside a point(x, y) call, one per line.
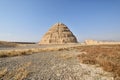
point(58, 65)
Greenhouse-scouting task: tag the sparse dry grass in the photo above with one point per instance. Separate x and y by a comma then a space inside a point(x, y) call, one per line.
point(3, 72)
point(19, 73)
point(7, 44)
point(11, 53)
point(66, 56)
point(107, 56)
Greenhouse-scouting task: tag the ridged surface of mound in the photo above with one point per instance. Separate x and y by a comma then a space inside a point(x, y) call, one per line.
point(58, 34)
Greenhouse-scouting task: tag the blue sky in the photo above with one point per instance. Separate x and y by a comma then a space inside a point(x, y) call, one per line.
point(28, 20)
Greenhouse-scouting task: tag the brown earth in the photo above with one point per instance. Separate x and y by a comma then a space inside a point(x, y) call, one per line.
point(61, 64)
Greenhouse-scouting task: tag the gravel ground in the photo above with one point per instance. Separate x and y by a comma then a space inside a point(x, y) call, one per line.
point(57, 65)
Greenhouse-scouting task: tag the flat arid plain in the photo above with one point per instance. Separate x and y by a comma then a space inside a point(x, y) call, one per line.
point(59, 39)
point(59, 62)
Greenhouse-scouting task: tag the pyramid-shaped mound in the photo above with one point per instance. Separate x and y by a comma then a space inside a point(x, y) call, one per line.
point(58, 34)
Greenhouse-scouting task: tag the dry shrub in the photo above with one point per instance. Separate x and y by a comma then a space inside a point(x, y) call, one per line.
point(3, 56)
point(87, 60)
point(107, 56)
point(107, 65)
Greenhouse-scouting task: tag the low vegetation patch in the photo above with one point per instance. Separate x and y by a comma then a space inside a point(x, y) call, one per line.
point(19, 73)
point(3, 71)
point(11, 53)
point(107, 56)
point(66, 56)
point(7, 44)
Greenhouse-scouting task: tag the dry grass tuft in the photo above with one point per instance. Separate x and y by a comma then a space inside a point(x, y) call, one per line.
point(107, 56)
point(66, 56)
point(19, 73)
point(3, 72)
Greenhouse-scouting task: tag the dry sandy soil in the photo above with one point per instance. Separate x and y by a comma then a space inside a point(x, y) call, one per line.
point(53, 65)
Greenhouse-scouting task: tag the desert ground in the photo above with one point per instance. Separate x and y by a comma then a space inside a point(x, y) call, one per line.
point(59, 62)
